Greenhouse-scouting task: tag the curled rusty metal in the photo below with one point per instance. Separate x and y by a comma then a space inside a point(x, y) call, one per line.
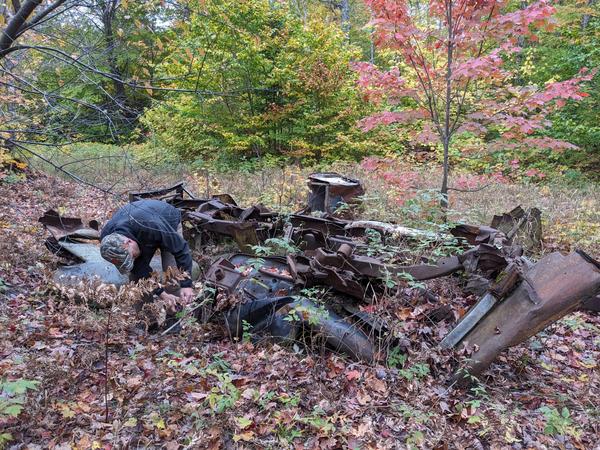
point(61, 227)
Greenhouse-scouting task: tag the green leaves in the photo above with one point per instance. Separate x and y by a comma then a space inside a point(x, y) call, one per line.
point(12, 398)
point(559, 423)
point(19, 386)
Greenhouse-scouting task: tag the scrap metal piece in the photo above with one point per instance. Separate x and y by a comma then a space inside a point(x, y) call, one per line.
point(251, 278)
point(327, 226)
point(591, 304)
point(172, 193)
point(265, 288)
point(264, 315)
point(338, 334)
point(244, 233)
point(521, 226)
point(328, 190)
point(560, 283)
point(469, 321)
point(391, 229)
point(61, 227)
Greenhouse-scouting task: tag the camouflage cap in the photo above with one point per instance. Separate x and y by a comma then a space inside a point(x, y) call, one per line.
point(113, 248)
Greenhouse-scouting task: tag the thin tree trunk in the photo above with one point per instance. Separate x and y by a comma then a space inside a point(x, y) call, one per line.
point(108, 15)
point(444, 190)
point(585, 20)
point(345, 7)
point(446, 135)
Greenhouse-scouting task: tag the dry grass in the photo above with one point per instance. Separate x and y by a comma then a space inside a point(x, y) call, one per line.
point(570, 215)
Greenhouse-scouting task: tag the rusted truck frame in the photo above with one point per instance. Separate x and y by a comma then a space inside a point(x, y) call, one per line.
point(520, 298)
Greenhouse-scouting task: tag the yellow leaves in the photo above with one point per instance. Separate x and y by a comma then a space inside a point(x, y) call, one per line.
point(509, 437)
point(246, 436)
point(66, 411)
point(156, 421)
point(588, 364)
point(131, 422)
point(243, 422)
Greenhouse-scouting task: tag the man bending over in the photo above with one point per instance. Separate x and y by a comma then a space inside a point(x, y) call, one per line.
point(132, 236)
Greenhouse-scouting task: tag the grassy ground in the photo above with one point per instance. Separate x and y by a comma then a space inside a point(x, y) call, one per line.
point(570, 214)
point(103, 383)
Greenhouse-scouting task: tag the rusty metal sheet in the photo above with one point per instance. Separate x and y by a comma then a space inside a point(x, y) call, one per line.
point(61, 227)
point(374, 268)
point(327, 226)
point(328, 190)
point(240, 274)
point(521, 226)
point(244, 233)
point(560, 284)
point(170, 193)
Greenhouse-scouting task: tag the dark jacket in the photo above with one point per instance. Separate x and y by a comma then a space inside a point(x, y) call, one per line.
point(152, 224)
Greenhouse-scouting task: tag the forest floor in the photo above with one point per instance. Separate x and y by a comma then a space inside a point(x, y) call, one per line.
point(104, 383)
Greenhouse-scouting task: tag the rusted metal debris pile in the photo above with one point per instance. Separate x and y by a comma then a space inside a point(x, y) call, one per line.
point(518, 297)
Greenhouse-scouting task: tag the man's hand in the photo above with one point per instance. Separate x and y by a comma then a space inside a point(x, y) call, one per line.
point(186, 295)
point(171, 301)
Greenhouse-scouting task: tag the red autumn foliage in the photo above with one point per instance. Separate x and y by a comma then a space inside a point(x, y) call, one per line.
point(453, 75)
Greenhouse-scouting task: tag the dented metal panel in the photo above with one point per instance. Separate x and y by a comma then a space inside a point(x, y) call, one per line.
point(552, 288)
point(329, 190)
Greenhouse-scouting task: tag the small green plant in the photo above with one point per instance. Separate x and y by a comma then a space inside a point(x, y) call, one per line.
point(12, 401)
point(342, 208)
point(265, 399)
point(415, 439)
point(559, 423)
point(13, 178)
point(288, 433)
point(275, 246)
point(376, 246)
point(256, 263)
point(318, 419)
point(480, 391)
point(12, 396)
point(395, 358)
point(287, 400)
point(417, 371)
point(246, 335)
point(410, 412)
point(224, 395)
point(313, 314)
point(314, 294)
point(388, 280)
point(405, 276)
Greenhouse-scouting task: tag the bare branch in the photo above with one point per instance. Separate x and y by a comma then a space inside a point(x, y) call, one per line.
point(10, 142)
point(11, 31)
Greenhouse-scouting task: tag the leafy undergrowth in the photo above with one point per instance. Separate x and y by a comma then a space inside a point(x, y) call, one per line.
point(90, 378)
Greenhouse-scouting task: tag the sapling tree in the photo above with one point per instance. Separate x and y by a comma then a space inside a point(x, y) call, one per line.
point(454, 73)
